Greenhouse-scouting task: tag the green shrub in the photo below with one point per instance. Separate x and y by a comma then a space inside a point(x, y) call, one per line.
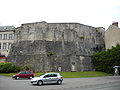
point(7, 67)
point(105, 60)
point(49, 54)
point(25, 67)
point(82, 37)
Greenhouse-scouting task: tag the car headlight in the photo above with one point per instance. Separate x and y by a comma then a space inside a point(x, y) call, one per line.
point(13, 75)
point(32, 80)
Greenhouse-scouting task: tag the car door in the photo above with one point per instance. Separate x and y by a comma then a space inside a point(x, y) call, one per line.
point(22, 75)
point(28, 74)
point(53, 78)
point(46, 78)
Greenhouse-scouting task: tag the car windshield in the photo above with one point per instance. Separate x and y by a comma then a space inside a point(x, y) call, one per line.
point(21, 73)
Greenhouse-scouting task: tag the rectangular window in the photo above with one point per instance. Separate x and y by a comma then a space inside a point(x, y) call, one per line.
point(0, 46)
point(5, 36)
point(10, 36)
point(0, 36)
point(9, 45)
point(4, 45)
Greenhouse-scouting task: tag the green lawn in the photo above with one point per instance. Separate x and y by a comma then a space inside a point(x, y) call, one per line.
point(80, 74)
point(7, 74)
point(83, 74)
point(71, 74)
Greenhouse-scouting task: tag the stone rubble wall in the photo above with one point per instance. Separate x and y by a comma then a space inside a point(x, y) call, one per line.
point(49, 46)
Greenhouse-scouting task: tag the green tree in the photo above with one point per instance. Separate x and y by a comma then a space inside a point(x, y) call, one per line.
point(105, 60)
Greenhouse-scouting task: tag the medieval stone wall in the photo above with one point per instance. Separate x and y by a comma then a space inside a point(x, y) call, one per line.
point(56, 46)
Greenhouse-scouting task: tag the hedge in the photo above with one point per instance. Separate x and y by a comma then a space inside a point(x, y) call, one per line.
point(7, 67)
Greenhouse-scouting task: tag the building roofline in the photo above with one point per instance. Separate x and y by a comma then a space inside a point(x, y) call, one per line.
point(59, 23)
point(6, 30)
point(111, 27)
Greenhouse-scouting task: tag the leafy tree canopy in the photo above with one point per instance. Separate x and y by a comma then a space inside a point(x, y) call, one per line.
point(105, 60)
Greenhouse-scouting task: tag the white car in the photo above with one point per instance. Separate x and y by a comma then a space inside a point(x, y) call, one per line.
point(47, 78)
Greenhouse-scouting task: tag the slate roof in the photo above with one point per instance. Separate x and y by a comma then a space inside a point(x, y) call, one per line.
point(5, 28)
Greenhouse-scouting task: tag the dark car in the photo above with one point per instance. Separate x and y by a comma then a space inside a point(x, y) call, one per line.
point(24, 74)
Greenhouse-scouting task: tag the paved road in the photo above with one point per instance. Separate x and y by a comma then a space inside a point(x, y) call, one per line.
point(98, 83)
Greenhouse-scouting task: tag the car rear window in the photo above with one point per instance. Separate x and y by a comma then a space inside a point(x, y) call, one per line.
point(28, 72)
point(53, 75)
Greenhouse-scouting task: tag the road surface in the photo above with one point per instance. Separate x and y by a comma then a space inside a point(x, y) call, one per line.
point(97, 83)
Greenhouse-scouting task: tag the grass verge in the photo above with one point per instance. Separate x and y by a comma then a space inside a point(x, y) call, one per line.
point(7, 74)
point(70, 74)
point(80, 74)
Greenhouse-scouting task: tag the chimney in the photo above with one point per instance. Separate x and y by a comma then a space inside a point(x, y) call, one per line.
point(115, 24)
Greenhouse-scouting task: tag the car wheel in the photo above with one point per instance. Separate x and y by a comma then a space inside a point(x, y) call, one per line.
point(30, 77)
point(17, 77)
point(59, 82)
point(40, 83)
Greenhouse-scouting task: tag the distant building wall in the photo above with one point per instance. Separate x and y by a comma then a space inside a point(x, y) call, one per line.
point(112, 36)
point(6, 39)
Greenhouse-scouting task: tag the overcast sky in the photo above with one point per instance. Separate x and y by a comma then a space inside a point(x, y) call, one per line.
point(96, 13)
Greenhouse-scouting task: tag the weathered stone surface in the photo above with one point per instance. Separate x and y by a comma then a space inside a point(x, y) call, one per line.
point(49, 46)
point(112, 36)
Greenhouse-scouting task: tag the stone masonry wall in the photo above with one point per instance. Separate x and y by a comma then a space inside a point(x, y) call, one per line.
point(56, 46)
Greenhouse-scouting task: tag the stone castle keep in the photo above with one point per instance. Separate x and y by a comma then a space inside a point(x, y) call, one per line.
point(56, 46)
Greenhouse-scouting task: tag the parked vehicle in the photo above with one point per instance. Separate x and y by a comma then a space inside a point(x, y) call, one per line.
point(47, 78)
point(24, 74)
